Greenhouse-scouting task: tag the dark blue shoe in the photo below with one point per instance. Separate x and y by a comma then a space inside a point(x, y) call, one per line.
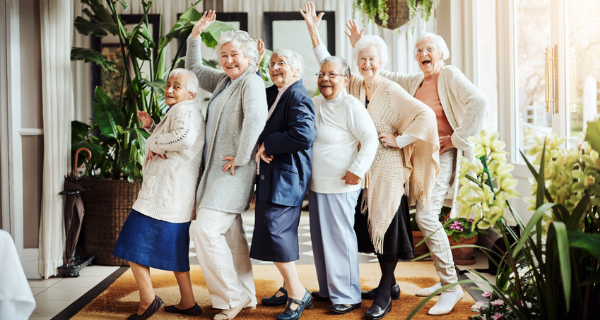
point(274, 300)
point(305, 303)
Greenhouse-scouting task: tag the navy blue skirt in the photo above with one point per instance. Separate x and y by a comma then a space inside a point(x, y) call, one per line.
point(275, 236)
point(154, 243)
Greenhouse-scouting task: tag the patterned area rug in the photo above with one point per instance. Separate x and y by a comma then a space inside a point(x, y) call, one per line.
point(121, 298)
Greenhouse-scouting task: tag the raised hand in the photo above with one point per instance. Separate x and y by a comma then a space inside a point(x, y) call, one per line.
point(354, 34)
point(146, 119)
point(207, 19)
point(261, 52)
point(311, 18)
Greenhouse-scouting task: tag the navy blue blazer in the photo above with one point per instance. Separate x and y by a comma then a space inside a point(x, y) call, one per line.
point(288, 137)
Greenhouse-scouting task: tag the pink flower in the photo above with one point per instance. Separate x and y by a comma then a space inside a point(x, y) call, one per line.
point(477, 306)
point(497, 302)
point(486, 294)
point(529, 305)
point(497, 316)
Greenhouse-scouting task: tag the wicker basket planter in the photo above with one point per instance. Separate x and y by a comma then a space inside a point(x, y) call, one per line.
point(397, 14)
point(107, 204)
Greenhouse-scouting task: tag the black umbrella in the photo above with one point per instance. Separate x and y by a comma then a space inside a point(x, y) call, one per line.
point(73, 209)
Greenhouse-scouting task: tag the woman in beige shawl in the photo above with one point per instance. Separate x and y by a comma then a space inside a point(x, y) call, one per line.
point(406, 162)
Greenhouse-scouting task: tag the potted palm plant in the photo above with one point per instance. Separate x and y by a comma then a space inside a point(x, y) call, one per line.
point(115, 134)
point(393, 14)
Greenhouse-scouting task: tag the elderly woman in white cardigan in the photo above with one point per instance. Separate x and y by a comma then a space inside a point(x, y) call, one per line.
point(156, 232)
point(460, 110)
point(403, 167)
point(236, 115)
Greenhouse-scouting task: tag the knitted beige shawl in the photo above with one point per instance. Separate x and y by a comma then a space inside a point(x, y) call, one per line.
point(415, 166)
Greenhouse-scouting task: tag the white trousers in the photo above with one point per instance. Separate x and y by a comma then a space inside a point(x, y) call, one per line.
point(224, 256)
point(428, 220)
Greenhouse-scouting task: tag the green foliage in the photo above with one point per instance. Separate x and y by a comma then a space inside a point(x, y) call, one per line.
point(115, 136)
point(378, 8)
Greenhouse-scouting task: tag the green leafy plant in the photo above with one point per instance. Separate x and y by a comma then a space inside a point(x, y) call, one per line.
point(457, 228)
point(551, 272)
point(379, 9)
point(115, 135)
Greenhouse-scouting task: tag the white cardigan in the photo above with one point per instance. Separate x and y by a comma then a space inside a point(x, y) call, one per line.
point(341, 124)
point(169, 189)
point(464, 104)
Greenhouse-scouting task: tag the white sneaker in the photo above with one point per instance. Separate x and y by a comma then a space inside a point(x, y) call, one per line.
point(229, 314)
point(427, 291)
point(447, 301)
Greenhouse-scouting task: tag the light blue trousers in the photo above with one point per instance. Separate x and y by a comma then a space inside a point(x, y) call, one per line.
point(334, 245)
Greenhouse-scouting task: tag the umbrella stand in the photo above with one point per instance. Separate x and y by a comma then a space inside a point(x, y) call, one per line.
point(73, 216)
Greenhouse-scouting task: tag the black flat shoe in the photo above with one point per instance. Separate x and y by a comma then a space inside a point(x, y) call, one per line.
point(370, 295)
point(305, 303)
point(274, 300)
point(193, 311)
point(154, 306)
point(375, 312)
point(343, 309)
point(316, 295)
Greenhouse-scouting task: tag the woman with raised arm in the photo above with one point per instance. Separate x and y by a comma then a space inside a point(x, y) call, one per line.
point(407, 158)
point(460, 110)
point(236, 116)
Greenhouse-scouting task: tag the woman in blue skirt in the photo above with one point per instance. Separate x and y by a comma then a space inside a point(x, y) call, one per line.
point(156, 232)
point(284, 170)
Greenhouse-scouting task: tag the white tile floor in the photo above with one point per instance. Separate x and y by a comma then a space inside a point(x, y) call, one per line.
point(55, 294)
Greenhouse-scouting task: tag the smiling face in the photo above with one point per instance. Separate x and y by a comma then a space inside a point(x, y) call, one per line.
point(175, 91)
point(429, 57)
point(328, 86)
point(233, 60)
point(368, 62)
point(281, 75)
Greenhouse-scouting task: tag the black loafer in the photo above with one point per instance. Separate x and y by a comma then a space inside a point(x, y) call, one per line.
point(343, 309)
point(316, 295)
point(274, 300)
point(370, 295)
point(376, 312)
point(193, 311)
point(154, 306)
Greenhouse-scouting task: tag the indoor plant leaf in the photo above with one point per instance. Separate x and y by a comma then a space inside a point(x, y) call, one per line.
point(108, 115)
point(91, 55)
point(586, 241)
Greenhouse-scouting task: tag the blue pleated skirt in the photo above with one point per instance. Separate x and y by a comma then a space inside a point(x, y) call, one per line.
point(154, 243)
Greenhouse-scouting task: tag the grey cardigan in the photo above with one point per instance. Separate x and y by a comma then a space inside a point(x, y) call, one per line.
point(240, 115)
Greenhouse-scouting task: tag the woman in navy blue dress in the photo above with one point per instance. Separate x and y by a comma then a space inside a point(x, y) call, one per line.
point(284, 169)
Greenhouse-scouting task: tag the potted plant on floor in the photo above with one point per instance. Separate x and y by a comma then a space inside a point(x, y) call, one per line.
point(115, 134)
point(553, 270)
point(392, 14)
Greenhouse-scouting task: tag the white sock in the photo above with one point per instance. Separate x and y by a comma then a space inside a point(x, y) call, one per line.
point(447, 301)
point(427, 291)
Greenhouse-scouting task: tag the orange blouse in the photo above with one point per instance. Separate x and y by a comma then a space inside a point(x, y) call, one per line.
point(428, 94)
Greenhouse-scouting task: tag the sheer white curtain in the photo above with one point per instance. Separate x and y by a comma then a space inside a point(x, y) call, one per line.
point(57, 100)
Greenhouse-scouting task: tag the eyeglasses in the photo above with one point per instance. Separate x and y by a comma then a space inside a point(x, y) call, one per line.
point(330, 75)
point(278, 63)
point(429, 50)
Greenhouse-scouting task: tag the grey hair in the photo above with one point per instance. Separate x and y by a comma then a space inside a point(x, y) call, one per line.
point(191, 82)
point(368, 41)
point(439, 42)
point(339, 60)
point(241, 39)
point(293, 58)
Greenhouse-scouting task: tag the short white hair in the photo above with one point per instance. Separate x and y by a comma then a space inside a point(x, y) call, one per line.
point(293, 58)
point(439, 42)
point(339, 60)
point(368, 41)
point(241, 39)
point(191, 81)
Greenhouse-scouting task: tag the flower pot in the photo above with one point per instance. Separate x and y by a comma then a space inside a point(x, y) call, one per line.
point(422, 249)
point(397, 14)
point(463, 256)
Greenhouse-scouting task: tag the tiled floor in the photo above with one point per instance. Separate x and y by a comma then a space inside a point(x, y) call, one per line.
point(55, 294)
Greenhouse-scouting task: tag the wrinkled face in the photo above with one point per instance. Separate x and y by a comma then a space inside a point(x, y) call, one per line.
point(282, 73)
point(233, 60)
point(429, 57)
point(368, 62)
point(175, 91)
point(332, 82)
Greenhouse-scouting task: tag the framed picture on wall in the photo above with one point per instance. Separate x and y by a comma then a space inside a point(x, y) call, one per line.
point(288, 30)
point(239, 20)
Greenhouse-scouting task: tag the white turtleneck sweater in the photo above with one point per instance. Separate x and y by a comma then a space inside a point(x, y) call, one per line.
point(341, 123)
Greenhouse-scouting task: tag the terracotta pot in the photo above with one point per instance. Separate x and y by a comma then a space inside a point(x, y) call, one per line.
point(461, 256)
